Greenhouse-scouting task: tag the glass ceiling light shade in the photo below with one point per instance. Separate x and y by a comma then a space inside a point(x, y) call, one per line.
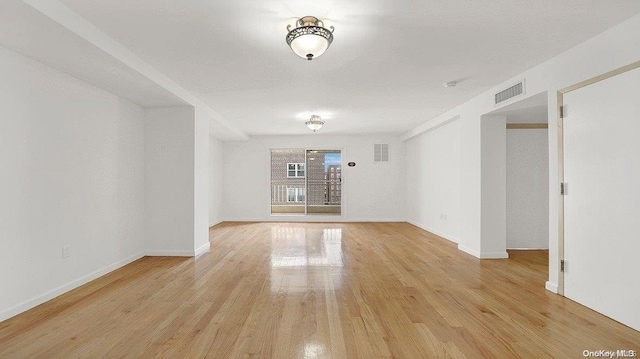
point(315, 123)
point(309, 39)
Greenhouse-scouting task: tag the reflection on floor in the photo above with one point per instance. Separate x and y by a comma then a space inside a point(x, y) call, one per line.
point(295, 257)
point(350, 290)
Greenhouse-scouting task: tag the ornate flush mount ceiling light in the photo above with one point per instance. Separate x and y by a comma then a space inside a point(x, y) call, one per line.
point(315, 123)
point(309, 39)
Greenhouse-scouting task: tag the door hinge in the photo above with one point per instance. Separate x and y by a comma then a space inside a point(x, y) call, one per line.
point(563, 189)
point(561, 111)
point(562, 265)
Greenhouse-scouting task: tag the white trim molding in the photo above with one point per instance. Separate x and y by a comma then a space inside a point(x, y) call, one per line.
point(215, 223)
point(314, 219)
point(44, 297)
point(205, 248)
point(469, 250)
point(483, 255)
point(437, 233)
point(494, 255)
point(551, 287)
point(164, 253)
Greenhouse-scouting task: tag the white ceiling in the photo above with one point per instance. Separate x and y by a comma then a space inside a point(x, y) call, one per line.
point(29, 32)
point(51, 33)
point(384, 71)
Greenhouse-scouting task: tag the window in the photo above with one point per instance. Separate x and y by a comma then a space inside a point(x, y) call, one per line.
point(295, 170)
point(301, 181)
point(296, 194)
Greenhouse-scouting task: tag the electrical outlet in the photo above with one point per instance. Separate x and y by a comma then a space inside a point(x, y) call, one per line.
point(66, 251)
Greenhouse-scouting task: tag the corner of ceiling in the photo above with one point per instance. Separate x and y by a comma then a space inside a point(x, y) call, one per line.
point(431, 124)
point(66, 17)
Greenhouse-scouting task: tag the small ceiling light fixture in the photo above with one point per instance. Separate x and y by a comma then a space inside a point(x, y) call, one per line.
point(451, 84)
point(309, 39)
point(315, 123)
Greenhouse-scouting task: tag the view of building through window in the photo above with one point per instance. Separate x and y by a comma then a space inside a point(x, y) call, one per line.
point(306, 181)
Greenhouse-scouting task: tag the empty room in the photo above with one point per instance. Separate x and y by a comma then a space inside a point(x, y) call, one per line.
point(319, 179)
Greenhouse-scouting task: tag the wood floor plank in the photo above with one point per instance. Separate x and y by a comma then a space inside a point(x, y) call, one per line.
point(323, 290)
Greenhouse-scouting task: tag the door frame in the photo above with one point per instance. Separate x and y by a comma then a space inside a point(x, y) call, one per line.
point(560, 125)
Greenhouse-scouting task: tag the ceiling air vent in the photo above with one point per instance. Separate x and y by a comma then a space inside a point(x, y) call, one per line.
point(380, 152)
point(509, 93)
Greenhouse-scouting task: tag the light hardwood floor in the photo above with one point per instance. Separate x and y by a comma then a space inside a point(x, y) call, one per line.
point(282, 290)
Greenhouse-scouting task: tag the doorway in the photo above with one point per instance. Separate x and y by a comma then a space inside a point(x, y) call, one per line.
point(525, 180)
point(527, 172)
point(306, 182)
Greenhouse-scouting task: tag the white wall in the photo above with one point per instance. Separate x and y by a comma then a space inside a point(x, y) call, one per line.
point(527, 189)
point(176, 181)
point(605, 52)
point(72, 166)
point(215, 181)
point(371, 191)
point(169, 189)
point(493, 188)
point(201, 183)
point(433, 181)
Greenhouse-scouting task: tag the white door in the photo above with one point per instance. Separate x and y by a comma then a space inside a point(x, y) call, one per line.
point(602, 205)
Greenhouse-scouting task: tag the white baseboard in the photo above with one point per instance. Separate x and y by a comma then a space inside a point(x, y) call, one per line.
point(205, 248)
point(243, 220)
point(165, 253)
point(551, 287)
point(374, 220)
point(483, 255)
point(528, 249)
point(35, 301)
point(437, 233)
point(469, 250)
point(312, 219)
point(215, 223)
point(42, 298)
point(494, 255)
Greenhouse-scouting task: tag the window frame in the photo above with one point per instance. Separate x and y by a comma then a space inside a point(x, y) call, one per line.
point(298, 172)
point(299, 195)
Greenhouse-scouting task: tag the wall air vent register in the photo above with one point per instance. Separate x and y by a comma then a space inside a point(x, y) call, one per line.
point(509, 93)
point(381, 152)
